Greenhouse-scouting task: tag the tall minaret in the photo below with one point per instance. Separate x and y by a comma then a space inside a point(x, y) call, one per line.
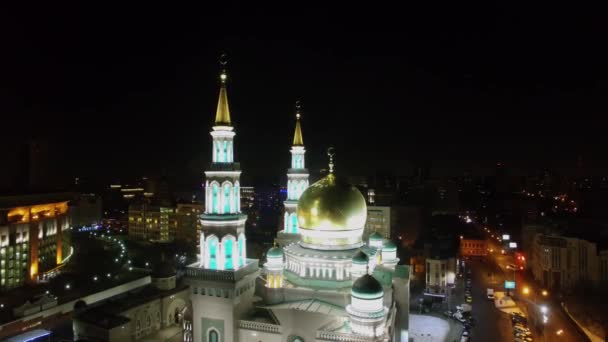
point(297, 180)
point(222, 240)
point(220, 280)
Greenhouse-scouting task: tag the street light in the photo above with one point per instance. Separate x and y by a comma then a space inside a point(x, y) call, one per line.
point(526, 290)
point(544, 309)
point(545, 293)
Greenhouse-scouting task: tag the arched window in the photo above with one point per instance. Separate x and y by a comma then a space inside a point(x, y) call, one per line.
point(294, 223)
point(228, 264)
point(148, 321)
point(242, 249)
point(213, 336)
point(237, 197)
point(213, 244)
point(218, 152)
point(226, 198)
point(215, 198)
point(286, 223)
point(225, 152)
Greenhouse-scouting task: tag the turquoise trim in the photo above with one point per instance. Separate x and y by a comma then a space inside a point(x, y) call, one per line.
point(228, 255)
point(367, 295)
point(213, 254)
point(316, 283)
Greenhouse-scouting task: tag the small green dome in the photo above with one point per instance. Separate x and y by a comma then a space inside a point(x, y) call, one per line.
point(389, 245)
point(360, 258)
point(275, 252)
point(367, 286)
point(375, 236)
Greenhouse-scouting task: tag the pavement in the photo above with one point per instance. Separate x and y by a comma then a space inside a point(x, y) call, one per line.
point(425, 328)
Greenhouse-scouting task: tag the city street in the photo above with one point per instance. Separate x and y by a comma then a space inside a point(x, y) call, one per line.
point(491, 323)
point(532, 298)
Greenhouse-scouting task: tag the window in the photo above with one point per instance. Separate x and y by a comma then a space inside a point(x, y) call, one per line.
point(213, 336)
point(228, 254)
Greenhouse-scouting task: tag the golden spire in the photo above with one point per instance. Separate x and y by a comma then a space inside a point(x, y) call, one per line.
point(331, 154)
point(222, 115)
point(297, 136)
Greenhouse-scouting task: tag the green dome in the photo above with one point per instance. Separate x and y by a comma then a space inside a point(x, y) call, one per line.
point(360, 258)
point(367, 286)
point(275, 252)
point(389, 245)
point(375, 236)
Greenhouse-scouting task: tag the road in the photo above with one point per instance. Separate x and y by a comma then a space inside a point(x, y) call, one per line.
point(534, 300)
point(491, 323)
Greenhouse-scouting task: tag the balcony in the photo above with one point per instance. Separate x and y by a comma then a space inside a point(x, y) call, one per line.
point(195, 271)
point(341, 337)
point(262, 327)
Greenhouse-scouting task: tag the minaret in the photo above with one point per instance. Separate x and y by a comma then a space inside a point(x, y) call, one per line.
point(220, 279)
point(222, 240)
point(297, 178)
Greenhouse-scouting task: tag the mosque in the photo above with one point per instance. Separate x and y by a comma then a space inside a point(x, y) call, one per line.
point(322, 282)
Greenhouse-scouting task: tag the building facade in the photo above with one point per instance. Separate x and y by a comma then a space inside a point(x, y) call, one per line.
point(564, 262)
point(440, 275)
point(188, 223)
point(473, 247)
point(378, 220)
point(34, 236)
point(152, 222)
point(328, 286)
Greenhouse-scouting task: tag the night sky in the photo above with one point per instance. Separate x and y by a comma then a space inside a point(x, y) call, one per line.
point(132, 90)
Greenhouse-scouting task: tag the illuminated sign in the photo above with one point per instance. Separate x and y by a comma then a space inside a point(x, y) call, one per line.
point(506, 237)
point(512, 244)
point(510, 285)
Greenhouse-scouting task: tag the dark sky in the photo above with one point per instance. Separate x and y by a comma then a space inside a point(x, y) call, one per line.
point(128, 90)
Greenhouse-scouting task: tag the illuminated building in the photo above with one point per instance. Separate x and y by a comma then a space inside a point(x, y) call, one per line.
point(222, 282)
point(378, 220)
point(152, 222)
point(34, 236)
point(330, 285)
point(441, 269)
point(297, 182)
point(560, 262)
point(188, 224)
point(471, 246)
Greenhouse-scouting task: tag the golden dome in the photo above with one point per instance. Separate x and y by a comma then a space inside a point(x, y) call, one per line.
point(331, 204)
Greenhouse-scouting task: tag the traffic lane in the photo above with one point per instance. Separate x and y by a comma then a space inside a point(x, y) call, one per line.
point(491, 324)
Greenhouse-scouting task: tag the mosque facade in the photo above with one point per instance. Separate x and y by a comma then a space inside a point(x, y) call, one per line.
point(322, 282)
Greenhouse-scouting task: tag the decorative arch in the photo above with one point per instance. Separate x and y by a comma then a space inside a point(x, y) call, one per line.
point(237, 197)
point(213, 335)
point(215, 197)
point(294, 223)
point(212, 250)
point(201, 246)
point(225, 197)
point(242, 249)
point(230, 254)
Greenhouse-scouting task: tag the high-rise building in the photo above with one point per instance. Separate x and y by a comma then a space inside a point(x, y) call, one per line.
point(34, 236)
point(188, 223)
point(378, 220)
point(152, 222)
point(297, 182)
